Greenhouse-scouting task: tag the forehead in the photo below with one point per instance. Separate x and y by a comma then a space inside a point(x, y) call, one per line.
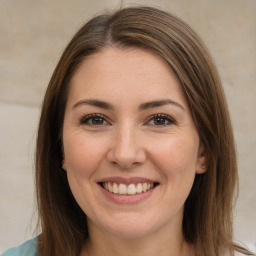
point(113, 72)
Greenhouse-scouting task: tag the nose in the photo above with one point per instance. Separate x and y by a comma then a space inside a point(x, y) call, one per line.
point(126, 149)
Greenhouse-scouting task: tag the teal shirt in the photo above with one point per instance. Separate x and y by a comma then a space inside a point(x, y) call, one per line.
point(27, 249)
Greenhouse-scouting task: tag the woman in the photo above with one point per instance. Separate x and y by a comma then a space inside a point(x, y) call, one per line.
point(135, 150)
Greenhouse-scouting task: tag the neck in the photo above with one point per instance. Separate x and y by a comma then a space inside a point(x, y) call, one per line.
point(171, 244)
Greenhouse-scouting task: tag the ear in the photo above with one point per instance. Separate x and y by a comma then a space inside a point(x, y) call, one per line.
point(63, 164)
point(201, 160)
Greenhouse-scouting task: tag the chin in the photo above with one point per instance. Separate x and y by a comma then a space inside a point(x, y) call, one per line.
point(130, 232)
point(130, 227)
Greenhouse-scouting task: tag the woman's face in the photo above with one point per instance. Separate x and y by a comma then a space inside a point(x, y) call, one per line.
point(131, 150)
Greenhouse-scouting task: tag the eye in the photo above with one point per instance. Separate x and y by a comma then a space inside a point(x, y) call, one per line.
point(160, 120)
point(94, 120)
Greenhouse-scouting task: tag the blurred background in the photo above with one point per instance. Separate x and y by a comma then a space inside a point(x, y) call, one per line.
point(33, 34)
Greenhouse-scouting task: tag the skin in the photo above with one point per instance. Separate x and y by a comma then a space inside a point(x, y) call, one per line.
point(128, 141)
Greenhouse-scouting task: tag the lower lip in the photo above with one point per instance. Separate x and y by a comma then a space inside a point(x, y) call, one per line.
point(127, 199)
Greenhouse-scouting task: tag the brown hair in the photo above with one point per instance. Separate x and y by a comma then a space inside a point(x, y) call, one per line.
point(207, 221)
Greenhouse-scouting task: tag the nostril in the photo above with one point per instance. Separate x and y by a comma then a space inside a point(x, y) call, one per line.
point(125, 164)
point(126, 156)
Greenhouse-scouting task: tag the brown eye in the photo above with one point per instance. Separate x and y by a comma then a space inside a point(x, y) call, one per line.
point(94, 120)
point(160, 120)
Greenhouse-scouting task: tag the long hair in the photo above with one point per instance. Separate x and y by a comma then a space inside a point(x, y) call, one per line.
point(207, 221)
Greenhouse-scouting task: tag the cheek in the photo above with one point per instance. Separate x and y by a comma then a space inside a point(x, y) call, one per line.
point(176, 162)
point(176, 157)
point(82, 159)
point(82, 156)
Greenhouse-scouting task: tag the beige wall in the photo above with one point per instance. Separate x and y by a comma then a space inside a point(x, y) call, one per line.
point(32, 37)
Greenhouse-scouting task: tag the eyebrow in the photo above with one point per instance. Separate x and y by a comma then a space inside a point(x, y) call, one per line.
point(94, 102)
point(159, 103)
point(143, 106)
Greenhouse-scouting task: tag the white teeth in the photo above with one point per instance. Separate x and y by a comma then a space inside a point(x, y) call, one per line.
point(130, 189)
point(139, 188)
point(144, 187)
point(110, 187)
point(115, 188)
point(122, 189)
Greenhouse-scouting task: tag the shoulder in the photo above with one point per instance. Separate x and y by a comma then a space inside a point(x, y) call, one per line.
point(29, 248)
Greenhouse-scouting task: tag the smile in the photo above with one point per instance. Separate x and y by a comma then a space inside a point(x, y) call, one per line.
point(128, 189)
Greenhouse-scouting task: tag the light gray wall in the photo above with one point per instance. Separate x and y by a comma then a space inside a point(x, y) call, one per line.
point(32, 37)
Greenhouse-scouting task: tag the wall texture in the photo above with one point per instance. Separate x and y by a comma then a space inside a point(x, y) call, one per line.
point(33, 35)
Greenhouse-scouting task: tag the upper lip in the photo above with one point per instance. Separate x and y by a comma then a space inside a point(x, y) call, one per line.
point(127, 181)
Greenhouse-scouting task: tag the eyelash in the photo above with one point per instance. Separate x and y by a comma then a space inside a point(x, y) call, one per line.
point(163, 117)
point(92, 117)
